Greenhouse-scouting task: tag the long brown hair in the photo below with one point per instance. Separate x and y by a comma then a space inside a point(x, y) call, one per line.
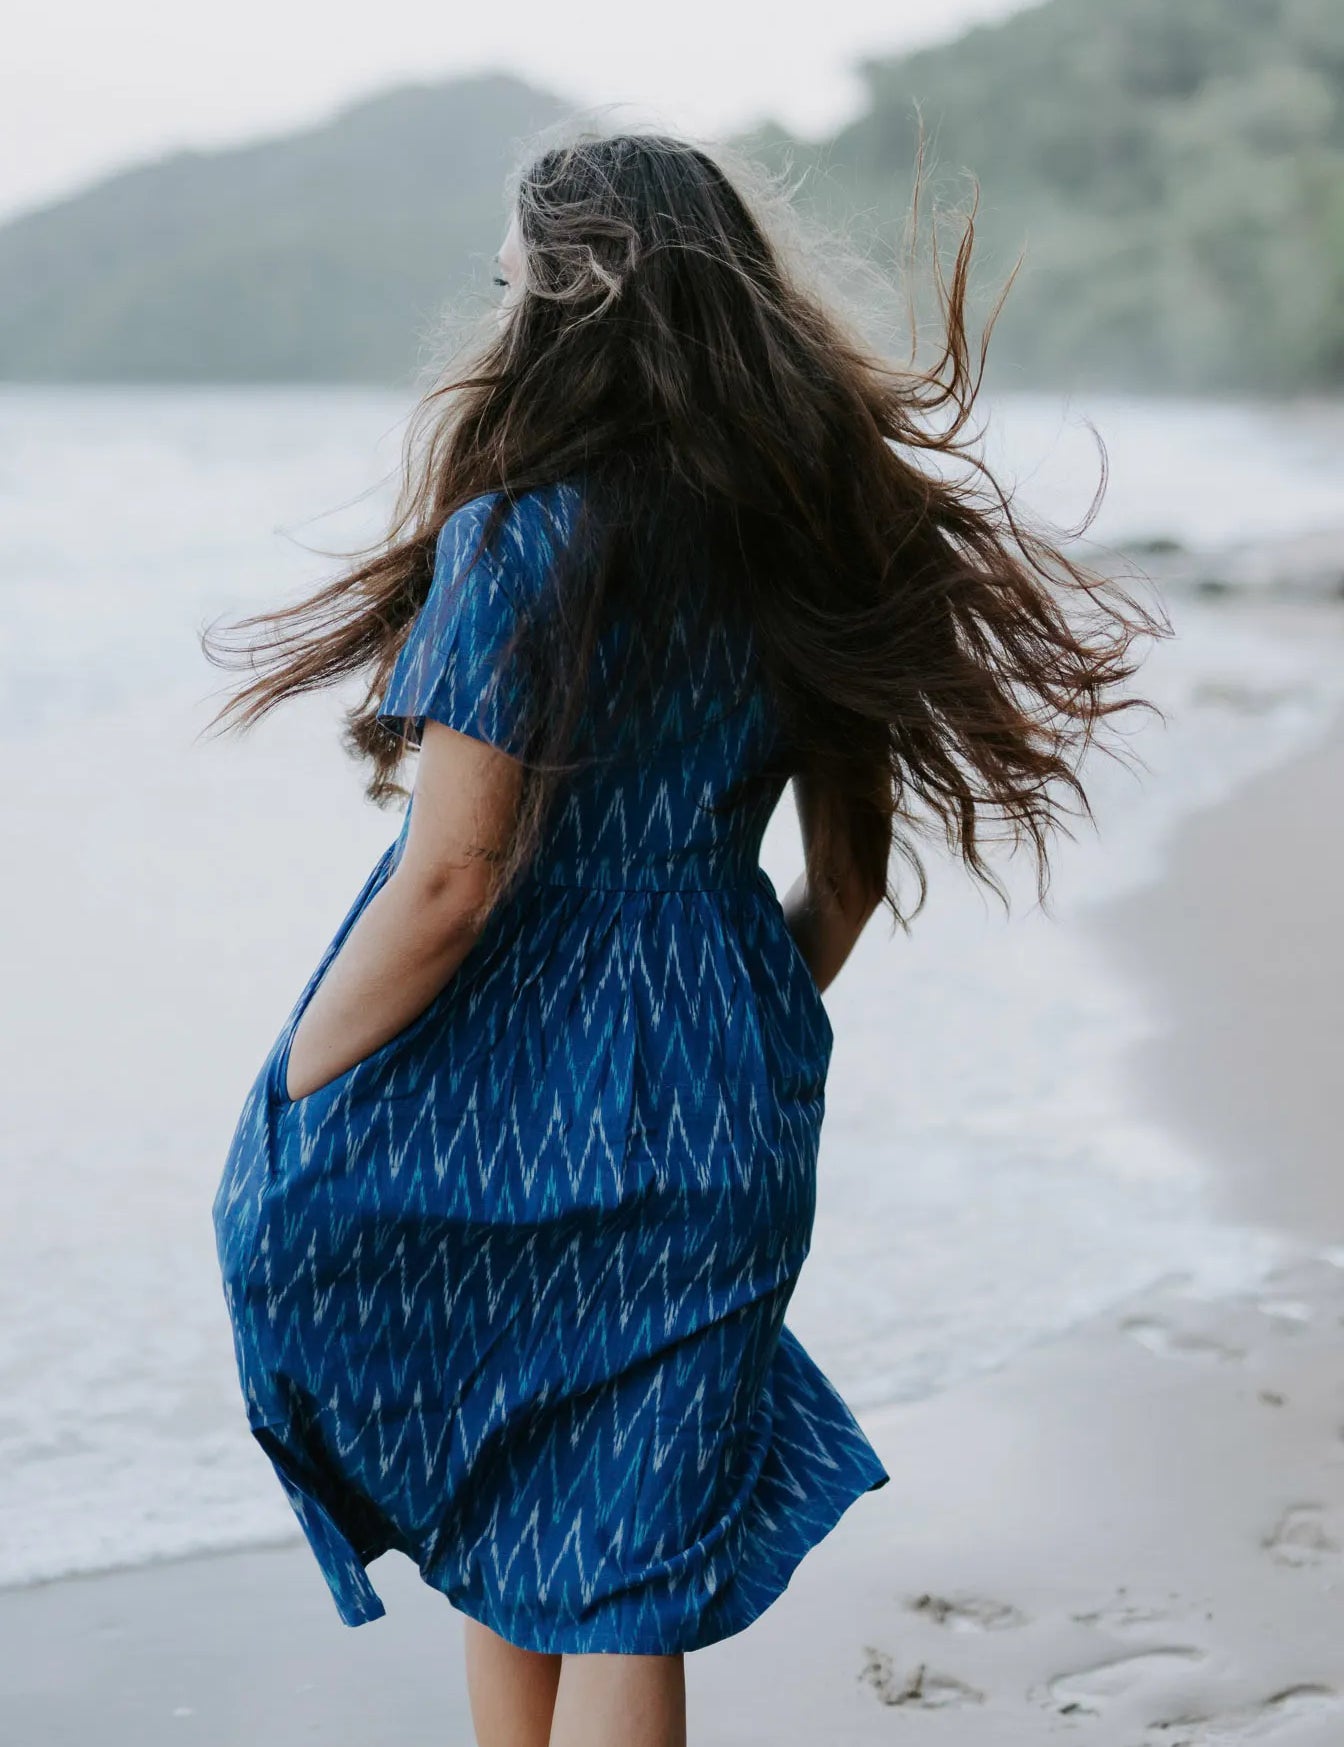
point(940, 664)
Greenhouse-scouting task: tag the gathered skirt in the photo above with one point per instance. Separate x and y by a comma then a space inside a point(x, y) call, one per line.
point(508, 1296)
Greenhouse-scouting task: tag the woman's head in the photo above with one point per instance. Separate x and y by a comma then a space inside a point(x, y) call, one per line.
point(647, 217)
point(669, 332)
point(620, 235)
point(641, 300)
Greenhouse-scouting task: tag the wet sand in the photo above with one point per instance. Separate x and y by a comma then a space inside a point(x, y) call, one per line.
point(1242, 947)
point(1135, 1530)
point(1131, 1535)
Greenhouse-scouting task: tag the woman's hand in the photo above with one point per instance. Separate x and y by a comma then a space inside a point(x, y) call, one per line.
point(426, 917)
point(825, 925)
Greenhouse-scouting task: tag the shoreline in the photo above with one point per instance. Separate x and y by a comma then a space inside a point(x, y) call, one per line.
point(1154, 939)
point(1240, 950)
point(1134, 1527)
point(1137, 1526)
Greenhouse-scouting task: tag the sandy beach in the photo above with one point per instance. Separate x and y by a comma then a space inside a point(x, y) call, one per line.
point(1130, 1535)
point(1243, 940)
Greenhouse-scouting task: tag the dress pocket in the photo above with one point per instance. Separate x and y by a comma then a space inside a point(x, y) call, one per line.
point(798, 983)
point(809, 994)
point(374, 1071)
point(369, 1067)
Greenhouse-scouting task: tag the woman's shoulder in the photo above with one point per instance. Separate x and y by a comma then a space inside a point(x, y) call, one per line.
point(481, 587)
point(536, 522)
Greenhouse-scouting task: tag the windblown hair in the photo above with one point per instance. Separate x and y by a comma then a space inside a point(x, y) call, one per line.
point(940, 666)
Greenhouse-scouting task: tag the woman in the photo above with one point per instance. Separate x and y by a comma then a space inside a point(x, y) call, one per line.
point(516, 1205)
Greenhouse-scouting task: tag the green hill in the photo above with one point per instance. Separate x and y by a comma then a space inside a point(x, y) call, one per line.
point(1175, 173)
point(316, 257)
point(1174, 170)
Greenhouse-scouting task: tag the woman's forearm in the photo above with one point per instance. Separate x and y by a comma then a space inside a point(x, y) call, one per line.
point(406, 945)
point(824, 933)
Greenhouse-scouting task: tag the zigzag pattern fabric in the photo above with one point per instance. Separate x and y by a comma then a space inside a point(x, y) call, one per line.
point(508, 1295)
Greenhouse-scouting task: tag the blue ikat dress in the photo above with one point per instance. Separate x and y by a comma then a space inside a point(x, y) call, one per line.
point(508, 1295)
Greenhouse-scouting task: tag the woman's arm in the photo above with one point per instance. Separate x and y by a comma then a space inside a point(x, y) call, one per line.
point(825, 924)
point(421, 924)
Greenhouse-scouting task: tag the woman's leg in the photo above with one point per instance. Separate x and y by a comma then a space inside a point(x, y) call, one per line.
point(512, 1691)
point(621, 1701)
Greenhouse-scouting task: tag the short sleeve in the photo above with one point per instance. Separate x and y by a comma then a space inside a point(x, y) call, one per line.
point(454, 666)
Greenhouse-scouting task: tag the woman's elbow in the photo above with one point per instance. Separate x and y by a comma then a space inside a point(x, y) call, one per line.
point(447, 905)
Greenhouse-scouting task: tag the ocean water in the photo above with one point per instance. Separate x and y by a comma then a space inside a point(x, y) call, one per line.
point(984, 1179)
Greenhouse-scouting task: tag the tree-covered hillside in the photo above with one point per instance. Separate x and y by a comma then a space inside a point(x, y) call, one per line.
point(322, 256)
point(1174, 170)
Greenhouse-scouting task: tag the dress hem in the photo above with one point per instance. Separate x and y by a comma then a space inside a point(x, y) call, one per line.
point(581, 1640)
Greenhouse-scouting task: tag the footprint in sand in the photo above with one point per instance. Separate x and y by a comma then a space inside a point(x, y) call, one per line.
point(1315, 1276)
point(920, 1690)
point(1160, 1337)
point(1256, 1722)
point(1121, 1617)
point(1303, 1535)
point(967, 1613)
point(1289, 1314)
point(1090, 1690)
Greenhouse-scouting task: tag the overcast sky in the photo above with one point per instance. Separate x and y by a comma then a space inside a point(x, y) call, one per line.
point(87, 86)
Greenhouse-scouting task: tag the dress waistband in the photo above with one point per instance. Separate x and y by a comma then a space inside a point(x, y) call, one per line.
point(685, 873)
